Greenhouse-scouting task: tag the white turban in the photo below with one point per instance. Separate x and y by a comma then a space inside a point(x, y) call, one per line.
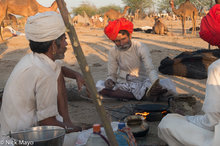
point(44, 27)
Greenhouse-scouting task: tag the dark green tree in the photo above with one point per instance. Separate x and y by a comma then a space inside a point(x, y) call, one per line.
point(142, 5)
point(164, 5)
point(104, 9)
point(87, 7)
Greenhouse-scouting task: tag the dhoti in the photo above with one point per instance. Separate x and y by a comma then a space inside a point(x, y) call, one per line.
point(138, 88)
point(175, 130)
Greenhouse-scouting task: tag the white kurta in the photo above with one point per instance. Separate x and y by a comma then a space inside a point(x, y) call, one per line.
point(122, 63)
point(207, 122)
point(30, 94)
point(137, 63)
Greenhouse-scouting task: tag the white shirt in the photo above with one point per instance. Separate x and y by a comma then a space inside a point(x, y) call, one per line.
point(130, 62)
point(30, 94)
point(211, 105)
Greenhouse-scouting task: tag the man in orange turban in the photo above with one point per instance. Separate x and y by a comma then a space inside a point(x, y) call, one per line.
point(204, 129)
point(125, 79)
point(210, 26)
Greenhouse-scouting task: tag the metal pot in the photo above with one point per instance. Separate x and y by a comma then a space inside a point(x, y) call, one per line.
point(138, 125)
point(39, 136)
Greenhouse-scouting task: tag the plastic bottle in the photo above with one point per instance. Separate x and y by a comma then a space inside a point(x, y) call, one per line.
point(96, 139)
point(121, 137)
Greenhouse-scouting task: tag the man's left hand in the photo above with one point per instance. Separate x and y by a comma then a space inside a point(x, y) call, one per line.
point(69, 127)
point(157, 90)
point(80, 81)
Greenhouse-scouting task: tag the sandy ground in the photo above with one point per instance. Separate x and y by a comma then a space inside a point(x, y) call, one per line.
point(95, 46)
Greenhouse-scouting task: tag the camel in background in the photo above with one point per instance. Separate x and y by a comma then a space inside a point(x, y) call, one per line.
point(24, 8)
point(186, 9)
point(159, 27)
point(136, 14)
point(113, 14)
point(10, 20)
point(206, 12)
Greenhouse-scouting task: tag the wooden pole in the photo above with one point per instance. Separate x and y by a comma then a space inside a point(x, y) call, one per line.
point(209, 47)
point(86, 72)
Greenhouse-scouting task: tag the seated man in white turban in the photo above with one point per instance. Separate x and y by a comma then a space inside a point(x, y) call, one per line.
point(35, 92)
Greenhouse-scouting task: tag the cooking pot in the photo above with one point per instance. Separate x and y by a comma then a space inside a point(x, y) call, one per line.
point(138, 125)
point(39, 136)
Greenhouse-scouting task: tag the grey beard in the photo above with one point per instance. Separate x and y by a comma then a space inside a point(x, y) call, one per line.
point(125, 47)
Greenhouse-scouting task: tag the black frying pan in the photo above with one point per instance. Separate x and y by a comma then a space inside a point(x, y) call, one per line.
point(153, 107)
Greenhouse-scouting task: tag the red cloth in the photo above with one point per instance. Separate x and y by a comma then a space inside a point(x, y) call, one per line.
point(210, 26)
point(113, 27)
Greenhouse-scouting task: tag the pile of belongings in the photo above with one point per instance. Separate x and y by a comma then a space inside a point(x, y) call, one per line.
point(190, 64)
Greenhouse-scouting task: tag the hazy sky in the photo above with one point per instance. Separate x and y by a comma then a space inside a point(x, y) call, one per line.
point(76, 3)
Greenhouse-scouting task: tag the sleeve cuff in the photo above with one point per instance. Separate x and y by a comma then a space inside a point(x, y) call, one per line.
point(123, 74)
point(46, 113)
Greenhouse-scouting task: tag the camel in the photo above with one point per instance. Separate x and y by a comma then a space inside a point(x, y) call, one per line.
point(136, 14)
point(206, 12)
point(159, 27)
point(113, 14)
point(24, 8)
point(10, 20)
point(186, 9)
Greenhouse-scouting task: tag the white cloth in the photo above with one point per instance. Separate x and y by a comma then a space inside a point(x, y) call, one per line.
point(212, 97)
point(71, 139)
point(146, 27)
point(45, 26)
point(30, 94)
point(216, 139)
point(207, 122)
point(175, 130)
point(14, 32)
point(122, 63)
point(139, 88)
point(100, 19)
point(211, 105)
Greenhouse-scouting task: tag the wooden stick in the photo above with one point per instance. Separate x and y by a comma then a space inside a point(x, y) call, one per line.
point(86, 72)
point(209, 47)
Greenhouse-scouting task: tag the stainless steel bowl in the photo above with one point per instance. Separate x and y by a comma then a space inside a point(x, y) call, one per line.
point(39, 136)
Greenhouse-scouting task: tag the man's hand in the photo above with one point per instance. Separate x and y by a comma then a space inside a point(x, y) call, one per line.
point(109, 84)
point(80, 81)
point(69, 73)
point(130, 77)
point(73, 129)
point(69, 127)
point(157, 90)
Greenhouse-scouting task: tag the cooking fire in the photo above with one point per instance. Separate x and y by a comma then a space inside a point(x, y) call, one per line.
point(152, 116)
